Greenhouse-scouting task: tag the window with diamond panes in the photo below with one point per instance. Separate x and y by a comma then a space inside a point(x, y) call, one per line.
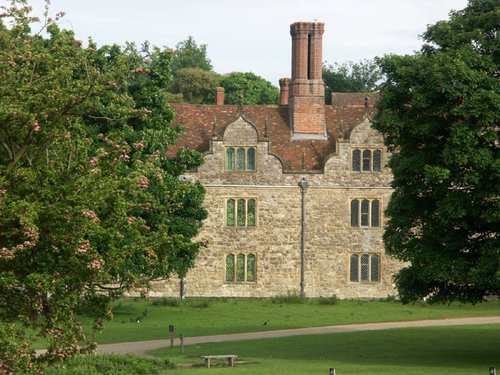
point(377, 161)
point(230, 159)
point(366, 160)
point(240, 159)
point(355, 213)
point(365, 213)
point(364, 268)
point(354, 268)
point(230, 212)
point(230, 267)
point(241, 267)
point(374, 268)
point(241, 212)
point(356, 160)
point(367, 157)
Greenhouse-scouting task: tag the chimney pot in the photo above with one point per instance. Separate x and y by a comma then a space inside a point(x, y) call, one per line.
point(219, 96)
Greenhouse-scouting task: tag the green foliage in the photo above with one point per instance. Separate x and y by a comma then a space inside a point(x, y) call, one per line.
point(363, 76)
point(289, 299)
point(188, 54)
point(248, 88)
point(439, 112)
point(15, 352)
point(110, 365)
point(91, 205)
point(196, 85)
point(333, 300)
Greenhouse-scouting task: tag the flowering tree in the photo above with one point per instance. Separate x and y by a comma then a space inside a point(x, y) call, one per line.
point(91, 205)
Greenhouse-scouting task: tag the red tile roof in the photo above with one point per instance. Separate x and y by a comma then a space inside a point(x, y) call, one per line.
point(202, 122)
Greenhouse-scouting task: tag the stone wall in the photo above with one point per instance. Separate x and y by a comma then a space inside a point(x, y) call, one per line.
point(276, 239)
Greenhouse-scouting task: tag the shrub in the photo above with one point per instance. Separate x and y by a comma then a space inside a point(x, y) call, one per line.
point(288, 299)
point(173, 302)
point(110, 365)
point(333, 300)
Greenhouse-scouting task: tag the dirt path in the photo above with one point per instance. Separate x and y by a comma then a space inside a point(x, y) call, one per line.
point(142, 347)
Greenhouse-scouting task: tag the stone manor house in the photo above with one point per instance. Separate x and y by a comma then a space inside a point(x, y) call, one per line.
point(295, 192)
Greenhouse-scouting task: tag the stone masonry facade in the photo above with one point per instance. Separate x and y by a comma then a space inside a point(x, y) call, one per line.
point(295, 192)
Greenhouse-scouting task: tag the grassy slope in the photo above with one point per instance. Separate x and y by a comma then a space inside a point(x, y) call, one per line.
point(231, 316)
point(467, 350)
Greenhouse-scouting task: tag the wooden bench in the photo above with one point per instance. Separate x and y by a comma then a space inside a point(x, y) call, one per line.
point(229, 357)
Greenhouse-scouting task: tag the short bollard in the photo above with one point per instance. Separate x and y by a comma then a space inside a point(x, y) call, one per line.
point(171, 332)
point(493, 371)
point(332, 371)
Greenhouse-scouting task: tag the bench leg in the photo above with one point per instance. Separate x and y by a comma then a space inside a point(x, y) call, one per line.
point(230, 362)
point(207, 362)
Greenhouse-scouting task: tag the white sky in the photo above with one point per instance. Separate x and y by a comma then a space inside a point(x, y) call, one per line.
point(253, 35)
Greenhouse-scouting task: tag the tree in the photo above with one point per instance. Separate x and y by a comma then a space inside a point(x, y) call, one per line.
point(250, 88)
point(91, 205)
point(440, 114)
point(196, 85)
point(363, 76)
point(188, 54)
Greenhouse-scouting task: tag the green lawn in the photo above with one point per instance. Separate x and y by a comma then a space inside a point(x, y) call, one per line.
point(143, 320)
point(457, 350)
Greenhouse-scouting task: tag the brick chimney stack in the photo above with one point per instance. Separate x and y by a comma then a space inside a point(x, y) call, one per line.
point(219, 96)
point(284, 90)
point(307, 89)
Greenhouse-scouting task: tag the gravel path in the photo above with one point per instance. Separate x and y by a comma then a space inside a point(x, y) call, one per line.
point(142, 347)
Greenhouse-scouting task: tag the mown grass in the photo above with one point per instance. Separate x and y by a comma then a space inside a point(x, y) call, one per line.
point(457, 350)
point(148, 320)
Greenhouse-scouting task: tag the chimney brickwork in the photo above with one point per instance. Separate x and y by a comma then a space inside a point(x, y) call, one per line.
point(219, 96)
point(306, 88)
point(284, 90)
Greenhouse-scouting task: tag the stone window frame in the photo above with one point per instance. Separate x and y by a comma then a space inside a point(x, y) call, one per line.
point(241, 218)
point(233, 166)
point(360, 261)
point(363, 160)
point(241, 272)
point(365, 212)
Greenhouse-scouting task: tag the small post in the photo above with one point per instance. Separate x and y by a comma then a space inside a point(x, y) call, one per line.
point(493, 371)
point(332, 371)
point(171, 332)
point(182, 343)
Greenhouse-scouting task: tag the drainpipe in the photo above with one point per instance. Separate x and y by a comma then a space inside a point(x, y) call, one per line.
point(303, 188)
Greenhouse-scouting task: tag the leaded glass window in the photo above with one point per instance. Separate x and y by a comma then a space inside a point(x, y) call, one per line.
point(251, 159)
point(365, 207)
point(355, 213)
point(354, 268)
point(377, 160)
point(230, 159)
point(356, 160)
point(375, 213)
point(241, 212)
point(374, 268)
point(230, 267)
point(251, 267)
point(240, 267)
point(367, 156)
point(240, 159)
point(364, 267)
point(230, 212)
point(251, 213)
